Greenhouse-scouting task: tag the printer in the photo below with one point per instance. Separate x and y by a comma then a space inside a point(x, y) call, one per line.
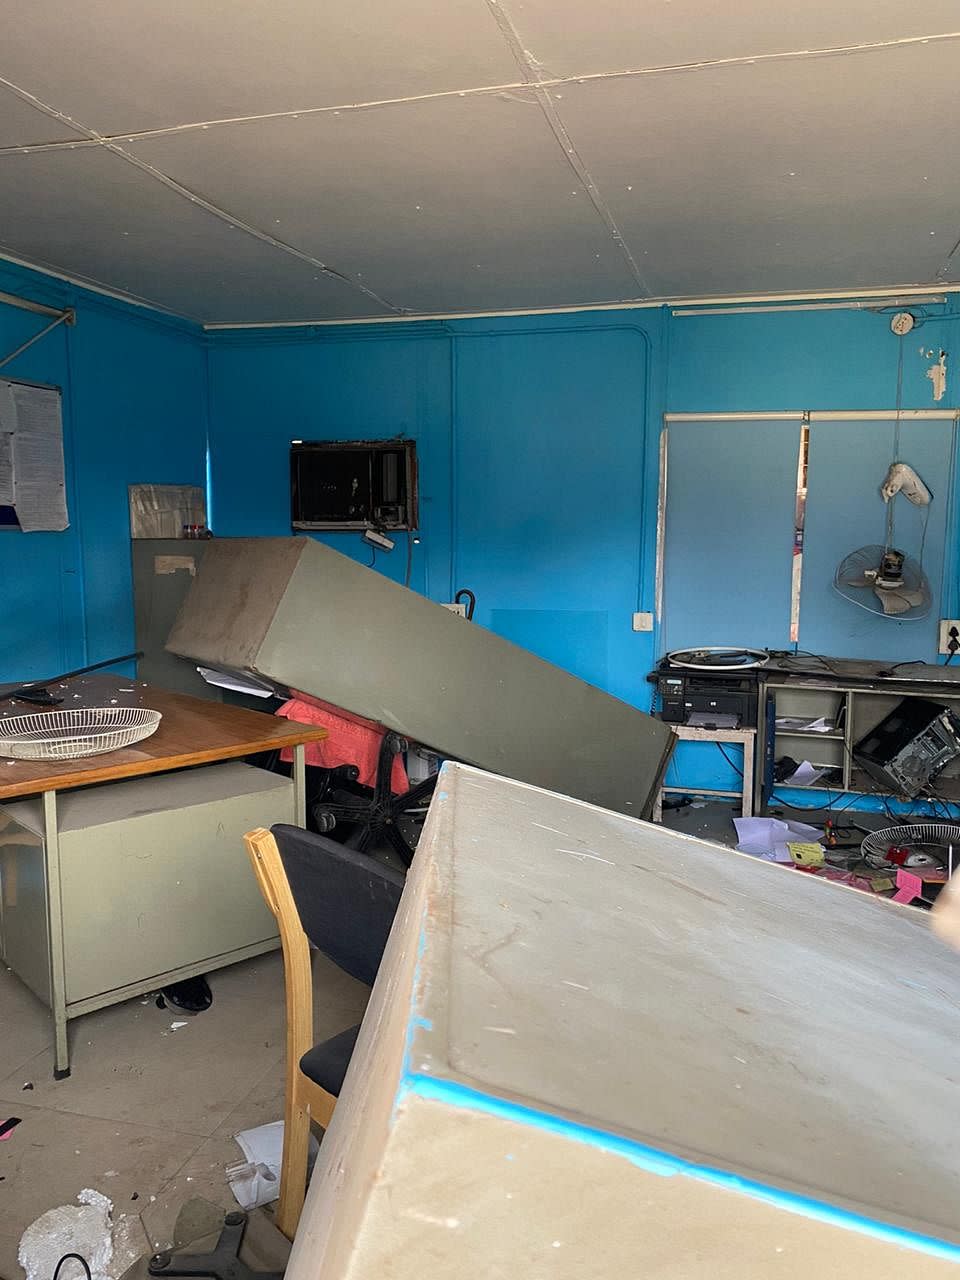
point(709, 699)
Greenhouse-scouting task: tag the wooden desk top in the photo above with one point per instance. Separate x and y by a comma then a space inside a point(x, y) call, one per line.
point(192, 731)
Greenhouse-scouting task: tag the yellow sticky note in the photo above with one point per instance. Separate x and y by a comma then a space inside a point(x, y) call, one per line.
point(806, 855)
point(881, 883)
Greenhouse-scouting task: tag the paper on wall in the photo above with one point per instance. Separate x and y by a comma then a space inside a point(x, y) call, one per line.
point(6, 468)
point(8, 422)
point(39, 488)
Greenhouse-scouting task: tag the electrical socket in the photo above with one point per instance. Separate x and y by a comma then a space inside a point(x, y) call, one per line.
point(459, 609)
point(643, 622)
point(948, 626)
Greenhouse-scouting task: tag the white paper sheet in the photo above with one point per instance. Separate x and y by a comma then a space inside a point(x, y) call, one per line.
point(820, 725)
point(768, 838)
point(6, 468)
point(806, 775)
point(8, 424)
point(236, 683)
point(39, 488)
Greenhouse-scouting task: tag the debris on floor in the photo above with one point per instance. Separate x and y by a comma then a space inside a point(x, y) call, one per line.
point(256, 1180)
point(8, 1126)
point(86, 1228)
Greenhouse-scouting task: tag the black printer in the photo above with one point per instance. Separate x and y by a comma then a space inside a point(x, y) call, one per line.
point(710, 699)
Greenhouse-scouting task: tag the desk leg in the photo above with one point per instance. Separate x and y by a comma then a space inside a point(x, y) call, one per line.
point(748, 744)
point(299, 786)
point(58, 984)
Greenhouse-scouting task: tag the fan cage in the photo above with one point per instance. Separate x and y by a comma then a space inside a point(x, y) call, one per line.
point(75, 733)
point(941, 835)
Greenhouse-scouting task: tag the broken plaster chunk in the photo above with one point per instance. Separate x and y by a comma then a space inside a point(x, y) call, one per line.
point(85, 1228)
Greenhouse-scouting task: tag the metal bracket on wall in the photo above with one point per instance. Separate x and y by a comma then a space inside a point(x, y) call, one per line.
point(61, 315)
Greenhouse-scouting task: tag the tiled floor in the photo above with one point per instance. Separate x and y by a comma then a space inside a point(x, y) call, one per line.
point(147, 1112)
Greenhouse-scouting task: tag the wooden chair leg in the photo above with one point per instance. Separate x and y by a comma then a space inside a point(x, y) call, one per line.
point(293, 1170)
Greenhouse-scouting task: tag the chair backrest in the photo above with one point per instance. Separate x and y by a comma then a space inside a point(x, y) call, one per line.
point(346, 901)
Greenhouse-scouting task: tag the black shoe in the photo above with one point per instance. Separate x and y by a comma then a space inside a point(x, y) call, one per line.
point(192, 994)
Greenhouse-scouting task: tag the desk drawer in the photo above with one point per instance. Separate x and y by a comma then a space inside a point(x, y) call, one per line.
point(153, 873)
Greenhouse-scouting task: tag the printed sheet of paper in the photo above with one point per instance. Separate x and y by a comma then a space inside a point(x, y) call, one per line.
point(8, 423)
point(38, 471)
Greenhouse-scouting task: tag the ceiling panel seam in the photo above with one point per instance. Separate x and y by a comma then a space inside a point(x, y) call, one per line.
point(222, 214)
point(532, 69)
point(94, 139)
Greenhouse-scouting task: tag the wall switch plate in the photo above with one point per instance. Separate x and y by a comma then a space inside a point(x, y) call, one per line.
point(945, 637)
point(643, 622)
point(459, 609)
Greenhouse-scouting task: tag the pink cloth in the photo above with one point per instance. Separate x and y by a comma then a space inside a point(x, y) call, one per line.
point(352, 740)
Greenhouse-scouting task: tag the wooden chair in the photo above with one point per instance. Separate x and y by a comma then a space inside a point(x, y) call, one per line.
point(313, 885)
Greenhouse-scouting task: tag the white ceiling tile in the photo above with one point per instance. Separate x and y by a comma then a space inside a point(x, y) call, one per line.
point(89, 214)
point(458, 204)
point(22, 124)
point(581, 37)
point(819, 174)
point(118, 67)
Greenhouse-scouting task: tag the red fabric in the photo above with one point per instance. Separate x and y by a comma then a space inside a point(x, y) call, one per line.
point(352, 740)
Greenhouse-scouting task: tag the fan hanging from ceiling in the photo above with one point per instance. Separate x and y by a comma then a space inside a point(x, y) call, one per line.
point(881, 577)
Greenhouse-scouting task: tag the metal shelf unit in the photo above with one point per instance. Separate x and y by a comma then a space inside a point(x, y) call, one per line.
point(857, 709)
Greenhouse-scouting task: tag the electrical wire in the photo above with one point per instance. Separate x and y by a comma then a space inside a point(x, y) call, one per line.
point(731, 763)
point(805, 653)
point(832, 806)
point(67, 1257)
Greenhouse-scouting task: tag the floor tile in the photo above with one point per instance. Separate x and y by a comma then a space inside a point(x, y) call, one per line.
point(203, 1174)
point(128, 1063)
point(53, 1156)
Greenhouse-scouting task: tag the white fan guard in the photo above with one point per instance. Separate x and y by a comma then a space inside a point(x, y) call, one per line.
point(76, 733)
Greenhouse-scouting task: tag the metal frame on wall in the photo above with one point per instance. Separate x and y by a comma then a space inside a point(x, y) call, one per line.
point(803, 417)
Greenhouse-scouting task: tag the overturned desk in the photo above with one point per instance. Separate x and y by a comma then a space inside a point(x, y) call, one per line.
point(596, 1048)
point(113, 882)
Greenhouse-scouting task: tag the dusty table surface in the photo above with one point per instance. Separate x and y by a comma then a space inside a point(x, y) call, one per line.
point(192, 731)
point(697, 1001)
point(598, 1048)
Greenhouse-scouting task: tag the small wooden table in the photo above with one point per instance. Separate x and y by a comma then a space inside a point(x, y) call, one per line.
point(745, 738)
point(192, 732)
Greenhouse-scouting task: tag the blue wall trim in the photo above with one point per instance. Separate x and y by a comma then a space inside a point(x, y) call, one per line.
point(453, 1094)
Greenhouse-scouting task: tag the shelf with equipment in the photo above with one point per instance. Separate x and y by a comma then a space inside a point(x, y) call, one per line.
point(852, 699)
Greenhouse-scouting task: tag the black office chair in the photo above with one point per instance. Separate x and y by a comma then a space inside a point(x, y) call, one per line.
point(343, 902)
point(376, 820)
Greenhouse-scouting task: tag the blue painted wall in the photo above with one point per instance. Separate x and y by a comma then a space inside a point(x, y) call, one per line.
point(134, 409)
point(538, 441)
point(537, 463)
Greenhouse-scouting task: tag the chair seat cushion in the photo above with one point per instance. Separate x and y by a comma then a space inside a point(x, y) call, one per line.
point(326, 1063)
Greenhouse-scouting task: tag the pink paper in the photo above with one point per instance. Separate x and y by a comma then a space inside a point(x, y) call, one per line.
point(909, 886)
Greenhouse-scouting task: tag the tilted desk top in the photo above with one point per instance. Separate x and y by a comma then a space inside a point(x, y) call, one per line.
point(598, 1048)
point(192, 731)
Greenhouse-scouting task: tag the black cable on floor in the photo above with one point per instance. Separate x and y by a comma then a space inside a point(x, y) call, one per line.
point(67, 1257)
